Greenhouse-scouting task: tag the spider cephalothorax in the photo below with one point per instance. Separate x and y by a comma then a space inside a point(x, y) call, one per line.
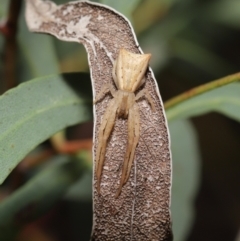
point(128, 74)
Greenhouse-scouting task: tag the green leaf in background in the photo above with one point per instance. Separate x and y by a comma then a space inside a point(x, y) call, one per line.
point(157, 38)
point(225, 12)
point(186, 176)
point(82, 189)
point(35, 110)
point(125, 7)
point(225, 100)
point(153, 12)
point(37, 53)
point(200, 56)
point(40, 193)
point(3, 8)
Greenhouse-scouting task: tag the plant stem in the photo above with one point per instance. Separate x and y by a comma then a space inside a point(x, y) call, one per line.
point(201, 89)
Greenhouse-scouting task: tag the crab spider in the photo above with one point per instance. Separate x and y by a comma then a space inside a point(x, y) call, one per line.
point(128, 74)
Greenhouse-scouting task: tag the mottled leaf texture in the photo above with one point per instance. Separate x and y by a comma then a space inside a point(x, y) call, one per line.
point(141, 212)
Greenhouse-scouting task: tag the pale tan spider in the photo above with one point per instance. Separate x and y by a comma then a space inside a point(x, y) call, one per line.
point(128, 74)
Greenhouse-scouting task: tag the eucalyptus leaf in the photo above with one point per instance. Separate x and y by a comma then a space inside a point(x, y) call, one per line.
point(37, 53)
point(35, 110)
point(96, 26)
point(225, 12)
point(200, 56)
point(125, 7)
point(82, 189)
point(225, 100)
point(3, 8)
point(39, 194)
point(186, 176)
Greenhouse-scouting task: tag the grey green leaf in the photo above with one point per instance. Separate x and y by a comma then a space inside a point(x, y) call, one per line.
point(39, 194)
point(225, 12)
point(36, 110)
point(3, 8)
point(225, 100)
point(125, 7)
point(186, 176)
point(37, 54)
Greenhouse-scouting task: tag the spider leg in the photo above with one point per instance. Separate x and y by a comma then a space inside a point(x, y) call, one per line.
point(114, 72)
point(104, 133)
point(136, 118)
point(105, 89)
point(147, 96)
point(133, 138)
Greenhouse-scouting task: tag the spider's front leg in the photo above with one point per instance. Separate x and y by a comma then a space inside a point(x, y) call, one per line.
point(104, 133)
point(105, 89)
point(133, 138)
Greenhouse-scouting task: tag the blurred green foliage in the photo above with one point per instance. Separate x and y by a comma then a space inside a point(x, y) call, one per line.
point(54, 99)
point(192, 42)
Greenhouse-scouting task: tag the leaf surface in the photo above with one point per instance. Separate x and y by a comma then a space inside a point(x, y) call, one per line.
point(35, 110)
point(186, 176)
point(39, 194)
point(126, 7)
point(37, 54)
point(225, 12)
point(225, 100)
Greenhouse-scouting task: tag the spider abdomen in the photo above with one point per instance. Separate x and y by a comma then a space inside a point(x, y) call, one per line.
point(129, 70)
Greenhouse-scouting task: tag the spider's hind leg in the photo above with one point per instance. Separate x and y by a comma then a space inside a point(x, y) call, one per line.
point(133, 138)
point(104, 133)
